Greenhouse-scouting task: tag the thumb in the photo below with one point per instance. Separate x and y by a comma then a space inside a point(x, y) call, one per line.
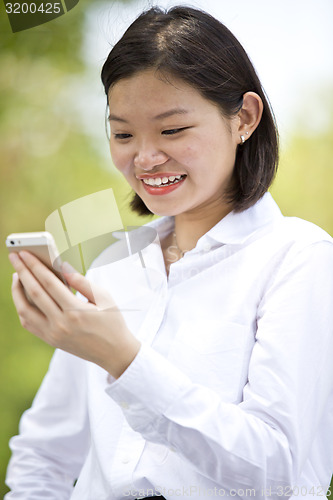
point(77, 281)
point(95, 294)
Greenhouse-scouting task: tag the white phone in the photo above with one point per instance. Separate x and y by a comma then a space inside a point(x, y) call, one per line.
point(42, 245)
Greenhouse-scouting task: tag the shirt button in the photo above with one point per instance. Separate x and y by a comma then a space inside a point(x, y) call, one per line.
point(207, 247)
point(124, 405)
point(126, 459)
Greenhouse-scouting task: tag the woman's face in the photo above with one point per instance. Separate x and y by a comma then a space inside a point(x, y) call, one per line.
point(162, 130)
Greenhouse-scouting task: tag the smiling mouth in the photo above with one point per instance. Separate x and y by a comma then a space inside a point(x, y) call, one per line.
point(163, 181)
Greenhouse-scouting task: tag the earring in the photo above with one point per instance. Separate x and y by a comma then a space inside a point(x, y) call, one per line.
point(243, 138)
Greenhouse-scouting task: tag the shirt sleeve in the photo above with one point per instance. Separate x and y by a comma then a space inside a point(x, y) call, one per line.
point(48, 454)
point(264, 441)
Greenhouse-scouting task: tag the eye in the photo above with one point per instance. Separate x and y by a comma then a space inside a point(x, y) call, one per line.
point(122, 136)
point(174, 131)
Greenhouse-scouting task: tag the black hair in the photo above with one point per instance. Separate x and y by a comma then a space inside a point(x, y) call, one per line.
point(192, 45)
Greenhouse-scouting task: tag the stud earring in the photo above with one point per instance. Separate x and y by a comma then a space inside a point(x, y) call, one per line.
point(242, 139)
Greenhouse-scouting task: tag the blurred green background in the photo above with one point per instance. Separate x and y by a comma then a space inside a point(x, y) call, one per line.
point(48, 158)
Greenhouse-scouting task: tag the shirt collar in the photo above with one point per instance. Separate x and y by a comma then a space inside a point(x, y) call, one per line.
point(235, 227)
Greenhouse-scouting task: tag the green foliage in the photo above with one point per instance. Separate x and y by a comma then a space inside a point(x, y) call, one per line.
point(304, 184)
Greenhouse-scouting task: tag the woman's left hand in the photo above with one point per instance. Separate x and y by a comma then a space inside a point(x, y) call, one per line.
point(93, 330)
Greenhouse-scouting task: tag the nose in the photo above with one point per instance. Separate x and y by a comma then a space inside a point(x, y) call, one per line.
point(148, 157)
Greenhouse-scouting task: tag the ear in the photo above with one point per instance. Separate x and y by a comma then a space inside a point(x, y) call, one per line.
point(249, 115)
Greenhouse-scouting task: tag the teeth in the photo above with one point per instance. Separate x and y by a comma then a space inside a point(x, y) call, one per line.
point(157, 181)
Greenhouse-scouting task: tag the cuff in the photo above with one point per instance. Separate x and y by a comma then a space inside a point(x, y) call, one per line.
point(147, 388)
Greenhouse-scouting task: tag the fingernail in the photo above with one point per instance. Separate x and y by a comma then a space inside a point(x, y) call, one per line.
point(15, 277)
point(67, 268)
point(13, 257)
point(25, 255)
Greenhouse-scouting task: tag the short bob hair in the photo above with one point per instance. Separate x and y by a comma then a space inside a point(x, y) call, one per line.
point(193, 46)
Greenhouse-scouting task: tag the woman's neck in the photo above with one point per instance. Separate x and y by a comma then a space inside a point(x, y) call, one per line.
point(189, 228)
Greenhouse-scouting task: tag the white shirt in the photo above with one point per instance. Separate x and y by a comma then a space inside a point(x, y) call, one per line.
point(231, 393)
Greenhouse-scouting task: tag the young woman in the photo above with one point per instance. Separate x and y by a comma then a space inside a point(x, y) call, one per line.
point(202, 365)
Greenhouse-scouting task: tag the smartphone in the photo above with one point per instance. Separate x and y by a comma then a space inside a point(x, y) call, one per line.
point(42, 245)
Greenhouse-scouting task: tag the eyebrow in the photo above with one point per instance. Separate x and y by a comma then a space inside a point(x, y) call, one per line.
point(166, 114)
point(171, 112)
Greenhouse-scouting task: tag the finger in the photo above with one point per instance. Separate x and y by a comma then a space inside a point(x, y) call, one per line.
point(78, 282)
point(38, 292)
point(95, 294)
point(30, 317)
point(59, 292)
